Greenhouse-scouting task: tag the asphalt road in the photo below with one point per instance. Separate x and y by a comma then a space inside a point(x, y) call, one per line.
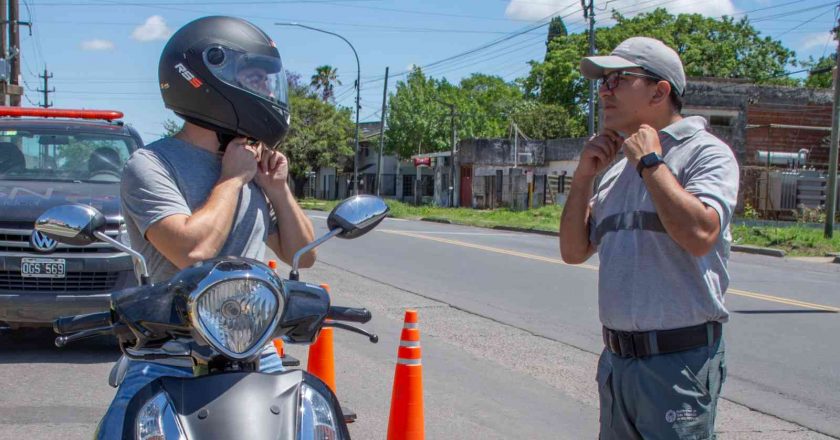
point(510, 342)
point(781, 340)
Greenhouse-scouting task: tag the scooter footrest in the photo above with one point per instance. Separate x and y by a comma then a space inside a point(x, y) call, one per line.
point(349, 415)
point(290, 361)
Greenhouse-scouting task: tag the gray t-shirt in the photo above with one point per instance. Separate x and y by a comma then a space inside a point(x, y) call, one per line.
point(646, 280)
point(171, 177)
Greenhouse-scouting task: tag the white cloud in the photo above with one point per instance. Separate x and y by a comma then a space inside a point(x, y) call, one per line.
point(815, 41)
point(97, 44)
point(153, 29)
point(540, 9)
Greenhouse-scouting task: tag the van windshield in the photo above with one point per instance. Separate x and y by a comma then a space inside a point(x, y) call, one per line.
point(63, 156)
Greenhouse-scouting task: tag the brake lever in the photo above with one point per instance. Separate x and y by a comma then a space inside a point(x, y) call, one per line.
point(372, 337)
point(62, 341)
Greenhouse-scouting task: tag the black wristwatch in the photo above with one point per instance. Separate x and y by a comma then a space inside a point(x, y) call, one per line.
point(647, 161)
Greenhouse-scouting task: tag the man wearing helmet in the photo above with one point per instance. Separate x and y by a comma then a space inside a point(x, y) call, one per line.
point(218, 187)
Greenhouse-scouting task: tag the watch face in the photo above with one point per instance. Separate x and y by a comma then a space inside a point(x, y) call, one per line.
point(651, 159)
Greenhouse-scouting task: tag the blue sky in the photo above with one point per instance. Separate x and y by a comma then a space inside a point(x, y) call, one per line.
point(104, 54)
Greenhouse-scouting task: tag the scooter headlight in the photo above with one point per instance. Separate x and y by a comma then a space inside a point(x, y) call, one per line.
point(318, 421)
point(156, 421)
point(237, 316)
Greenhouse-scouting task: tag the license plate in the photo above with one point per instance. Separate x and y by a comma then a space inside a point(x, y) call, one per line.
point(42, 267)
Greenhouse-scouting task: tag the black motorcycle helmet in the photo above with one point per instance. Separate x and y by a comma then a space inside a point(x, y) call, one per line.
point(225, 74)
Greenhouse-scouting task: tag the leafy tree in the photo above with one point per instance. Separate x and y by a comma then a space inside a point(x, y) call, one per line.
point(823, 66)
point(725, 48)
point(556, 29)
point(547, 121)
point(485, 104)
point(419, 120)
point(296, 86)
point(324, 81)
point(171, 127)
point(416, 119)
point(320, 136)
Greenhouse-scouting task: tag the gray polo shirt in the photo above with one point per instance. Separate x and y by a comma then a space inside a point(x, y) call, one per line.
point(171, 177)
point(646, 281)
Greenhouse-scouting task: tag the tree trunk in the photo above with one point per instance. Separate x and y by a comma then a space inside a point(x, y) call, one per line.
point(300, 182)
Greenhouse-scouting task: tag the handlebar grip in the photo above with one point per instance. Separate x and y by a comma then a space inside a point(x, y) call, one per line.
point(351, 314)
point(74, 324)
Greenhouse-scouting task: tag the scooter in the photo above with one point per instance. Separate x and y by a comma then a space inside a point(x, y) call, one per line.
point(219, 314)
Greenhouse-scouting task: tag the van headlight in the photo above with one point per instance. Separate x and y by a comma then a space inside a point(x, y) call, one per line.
point(318, 421)
point(157, 421)
point(236, 316)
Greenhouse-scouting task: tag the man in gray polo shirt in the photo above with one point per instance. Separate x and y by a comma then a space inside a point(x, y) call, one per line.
point(659, 220)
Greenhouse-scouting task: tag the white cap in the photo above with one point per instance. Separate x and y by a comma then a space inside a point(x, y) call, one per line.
point(648, 53)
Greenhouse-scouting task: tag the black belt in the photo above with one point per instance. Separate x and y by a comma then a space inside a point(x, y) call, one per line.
point(644, 344)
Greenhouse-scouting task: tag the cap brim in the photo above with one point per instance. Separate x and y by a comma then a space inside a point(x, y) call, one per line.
point(594, 67)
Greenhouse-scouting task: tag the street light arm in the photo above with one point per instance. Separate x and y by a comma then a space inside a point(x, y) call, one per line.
point(358, 65)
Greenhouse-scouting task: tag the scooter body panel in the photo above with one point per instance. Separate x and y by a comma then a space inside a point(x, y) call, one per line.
point(236, 405)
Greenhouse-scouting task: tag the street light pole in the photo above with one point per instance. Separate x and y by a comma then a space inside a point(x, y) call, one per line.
point(358, 106)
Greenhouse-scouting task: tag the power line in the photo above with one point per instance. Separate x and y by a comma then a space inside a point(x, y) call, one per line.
point(800, 25)
point(203, 3)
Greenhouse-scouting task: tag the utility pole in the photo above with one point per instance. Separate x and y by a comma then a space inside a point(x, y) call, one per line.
point(831, 203)
point(14, 51)
point(46, 89)
point(452, 159)
point(4, 17)
point(451, 182)
point(589, 13)
point(381, 136)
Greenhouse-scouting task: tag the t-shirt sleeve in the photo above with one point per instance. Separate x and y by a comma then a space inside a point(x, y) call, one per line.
point(713, 178)
point(149, 192)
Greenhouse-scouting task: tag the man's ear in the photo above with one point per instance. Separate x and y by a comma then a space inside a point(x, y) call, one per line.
point(663, 90)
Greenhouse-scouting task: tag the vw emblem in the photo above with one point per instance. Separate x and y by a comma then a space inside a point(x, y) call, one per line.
point(41, 242)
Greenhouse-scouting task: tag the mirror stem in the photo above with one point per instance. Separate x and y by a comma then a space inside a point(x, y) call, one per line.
point(296, 260)
point(144, 271)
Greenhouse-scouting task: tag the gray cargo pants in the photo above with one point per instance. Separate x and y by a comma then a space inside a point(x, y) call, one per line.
point(666, 396)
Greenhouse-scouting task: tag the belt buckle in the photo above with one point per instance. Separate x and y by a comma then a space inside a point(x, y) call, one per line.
point(626, 343)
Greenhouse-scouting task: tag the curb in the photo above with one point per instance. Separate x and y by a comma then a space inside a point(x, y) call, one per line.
point(526, 230)
point(438, 220)
point(758, 250)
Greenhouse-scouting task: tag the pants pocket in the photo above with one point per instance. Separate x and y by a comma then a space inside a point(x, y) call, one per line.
point(605, 393)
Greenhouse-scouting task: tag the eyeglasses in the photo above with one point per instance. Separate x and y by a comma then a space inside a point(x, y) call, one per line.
point(611, 80)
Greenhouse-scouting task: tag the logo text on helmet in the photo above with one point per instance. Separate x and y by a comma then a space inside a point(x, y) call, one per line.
point(188, 75)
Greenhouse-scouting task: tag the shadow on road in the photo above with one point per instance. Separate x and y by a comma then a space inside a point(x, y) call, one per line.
point(761, 312)
point(37, 346)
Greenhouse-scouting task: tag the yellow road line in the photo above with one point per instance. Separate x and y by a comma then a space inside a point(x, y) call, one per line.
point(782, 300)
point(738, 292)
point(486, 248)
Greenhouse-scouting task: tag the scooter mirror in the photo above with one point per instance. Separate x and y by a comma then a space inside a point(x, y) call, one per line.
point(357, 215)
point(71, 224)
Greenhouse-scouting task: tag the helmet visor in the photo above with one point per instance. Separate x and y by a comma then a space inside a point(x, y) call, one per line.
point(260, 75)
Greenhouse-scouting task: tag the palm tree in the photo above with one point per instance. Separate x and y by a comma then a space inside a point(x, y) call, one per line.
point(324, 81)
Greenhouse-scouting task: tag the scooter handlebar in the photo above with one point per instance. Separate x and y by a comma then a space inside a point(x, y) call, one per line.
point(349, 314)
point(78, 323)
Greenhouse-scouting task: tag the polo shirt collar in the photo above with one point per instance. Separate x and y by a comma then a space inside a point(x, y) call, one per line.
point(685, 127)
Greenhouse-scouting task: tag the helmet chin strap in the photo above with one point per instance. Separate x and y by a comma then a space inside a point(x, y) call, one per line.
point(224, 140)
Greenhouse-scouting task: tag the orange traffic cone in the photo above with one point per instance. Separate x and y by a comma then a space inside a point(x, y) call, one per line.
point(407, 421)
point(321, 362)
point(278, 345)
